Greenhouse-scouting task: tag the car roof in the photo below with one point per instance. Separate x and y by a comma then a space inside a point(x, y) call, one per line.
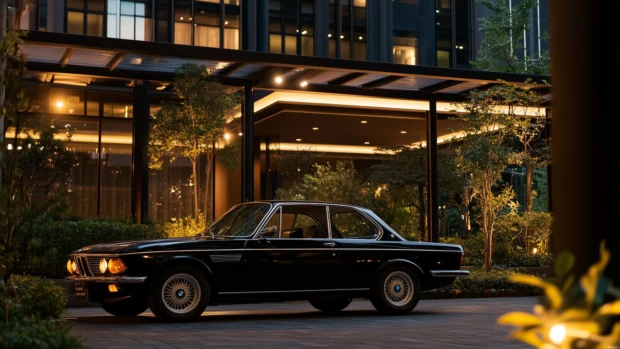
point(305, 201)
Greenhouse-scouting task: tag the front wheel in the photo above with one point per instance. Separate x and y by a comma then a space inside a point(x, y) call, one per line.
point(179, 294)
point(126, 307)
point(330, 305)
point(397, 291)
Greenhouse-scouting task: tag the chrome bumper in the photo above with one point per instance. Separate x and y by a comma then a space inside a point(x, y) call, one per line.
point(109, 279)
point(450, 273)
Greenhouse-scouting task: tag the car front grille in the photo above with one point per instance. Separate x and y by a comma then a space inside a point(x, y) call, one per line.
point(87, 266)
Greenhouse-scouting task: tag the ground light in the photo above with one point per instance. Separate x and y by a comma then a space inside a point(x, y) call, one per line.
point(557, 334)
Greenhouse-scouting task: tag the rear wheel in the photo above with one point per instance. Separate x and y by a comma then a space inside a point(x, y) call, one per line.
point(179, 294)
point(397, 290)
point(126, 307)
point(330, 305)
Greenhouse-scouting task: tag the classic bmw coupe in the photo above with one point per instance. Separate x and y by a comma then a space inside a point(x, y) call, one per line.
point(326, 253)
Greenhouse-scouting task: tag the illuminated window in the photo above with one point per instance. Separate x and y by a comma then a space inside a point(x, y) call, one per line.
point(130, 19)
point(85, 17)
point(291, 27)
point(404, 50)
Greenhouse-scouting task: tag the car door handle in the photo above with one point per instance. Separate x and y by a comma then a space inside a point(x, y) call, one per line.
point(329, 244)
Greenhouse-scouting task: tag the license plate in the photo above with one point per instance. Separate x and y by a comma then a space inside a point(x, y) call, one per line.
point(80, 290)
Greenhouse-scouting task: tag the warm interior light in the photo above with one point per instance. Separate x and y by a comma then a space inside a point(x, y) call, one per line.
point(9, 146)
point(303, 83)
point(69, 267)
point(227, 136)
point(557, 334)
point(304, 32)
point(103, 266)
point(329, 35)
point(60, 104)
point(366, 142)
point(116, 266)
point(298, 139)
point(112, 288)
point(226, 22)
point(126, 112)
point(342, 36)
point(403, 132)
point(278, 79)
point(364, 122)
point(240, 134)
point(69, 82)
point(361, 38)
point(315, 128)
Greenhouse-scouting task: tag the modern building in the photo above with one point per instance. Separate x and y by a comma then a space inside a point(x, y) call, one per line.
point(337, 79)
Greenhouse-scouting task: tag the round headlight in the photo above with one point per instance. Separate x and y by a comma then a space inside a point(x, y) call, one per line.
point(116, 266)
point(74, 267)
point(69, 267)
point(103, 266)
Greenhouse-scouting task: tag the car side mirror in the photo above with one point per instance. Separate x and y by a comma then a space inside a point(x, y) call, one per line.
point(268, 232)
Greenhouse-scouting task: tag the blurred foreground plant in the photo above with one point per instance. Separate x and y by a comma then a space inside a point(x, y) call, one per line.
point(573, 315)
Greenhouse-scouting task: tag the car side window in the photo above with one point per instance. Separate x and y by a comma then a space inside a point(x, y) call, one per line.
point(303, 222)
point(348, 223)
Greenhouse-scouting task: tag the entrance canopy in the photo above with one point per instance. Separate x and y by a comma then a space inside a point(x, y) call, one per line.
point(99, 57)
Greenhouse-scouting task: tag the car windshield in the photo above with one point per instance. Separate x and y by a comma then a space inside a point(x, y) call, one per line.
point(240, 221)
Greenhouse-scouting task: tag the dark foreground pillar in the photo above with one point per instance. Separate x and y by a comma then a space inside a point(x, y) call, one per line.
point(585, 66)
point(431, 173)
point(139, 159)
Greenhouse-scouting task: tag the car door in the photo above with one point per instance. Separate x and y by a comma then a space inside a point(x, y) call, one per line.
point(359, 251)
point(300, 258)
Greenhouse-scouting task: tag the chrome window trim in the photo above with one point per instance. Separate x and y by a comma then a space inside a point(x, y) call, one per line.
point(450, 273)
point(280, 205)
point(329, 223)
point(260, 224)
point(106, 279)
point(297, 291)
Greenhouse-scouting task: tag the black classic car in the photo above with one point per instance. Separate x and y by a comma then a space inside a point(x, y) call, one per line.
point(326, 253)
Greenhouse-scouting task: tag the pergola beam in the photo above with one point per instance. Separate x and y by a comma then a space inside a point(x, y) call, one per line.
point(230, 69)
point(64, 59)
point(440, 86)
point(382, 81)
point(115, 61)
point(345, 78)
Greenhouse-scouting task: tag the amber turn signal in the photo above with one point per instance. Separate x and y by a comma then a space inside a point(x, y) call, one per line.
point(70, 266)
point(116, 266)
point(112, 288)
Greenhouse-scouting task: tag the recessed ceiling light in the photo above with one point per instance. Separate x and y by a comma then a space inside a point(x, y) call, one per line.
point(436, 11)
point(278, 79)
point(240, 134)
point(298, 139)
point(181, 18)
point(226, 22)
point(361, 38)
point(329, 35)
point(60, 104)
point(304, 32)
point(315, 128)
point(364, 122)
point(366, 142)
point(342, 36)
point(303, 83)
point(403, 132)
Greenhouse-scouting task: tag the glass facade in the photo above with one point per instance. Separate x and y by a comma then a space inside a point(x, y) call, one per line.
point(405, 36)
point(353, 29)
point(291, 27)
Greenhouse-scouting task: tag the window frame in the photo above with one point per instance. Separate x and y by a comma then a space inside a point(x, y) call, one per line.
point(363, 214)
point(278, 208)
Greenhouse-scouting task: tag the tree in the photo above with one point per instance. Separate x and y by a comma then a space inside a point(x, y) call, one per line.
point(194, 125)
point(502, 38)
point(482, 156)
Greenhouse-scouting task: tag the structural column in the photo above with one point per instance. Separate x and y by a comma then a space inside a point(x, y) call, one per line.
point(432, 194)
point(247, 157)
point(584, 58)
point(139, 159)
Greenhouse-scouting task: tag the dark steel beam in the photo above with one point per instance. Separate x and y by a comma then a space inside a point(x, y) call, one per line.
point(230, 69)
point(115, 61)
point(139, 159)
point(224, 55)
point(479, 88)
point(382, 82)
point(64, 59)
point(440, 86)
point(345, 78)
point(248, 145)
point(432, 192)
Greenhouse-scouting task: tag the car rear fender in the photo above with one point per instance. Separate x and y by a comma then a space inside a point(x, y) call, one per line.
point(406, 262)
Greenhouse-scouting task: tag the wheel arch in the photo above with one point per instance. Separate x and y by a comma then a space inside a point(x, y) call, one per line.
point(189, 261)
point(405, 262)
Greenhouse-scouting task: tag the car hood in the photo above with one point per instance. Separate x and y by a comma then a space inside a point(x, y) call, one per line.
point(137, 246)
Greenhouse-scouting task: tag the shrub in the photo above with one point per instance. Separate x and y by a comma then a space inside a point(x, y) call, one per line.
point(48, 242)
point(35, 333)
point(480, 281)
point(40, 297)
point(181, 227)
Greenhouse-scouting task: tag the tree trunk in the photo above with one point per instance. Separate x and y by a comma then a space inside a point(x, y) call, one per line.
point(529, 198)
point(208, 186)
point(3, 20)
point(422, 211)
point(195, 180)
point(488, 250)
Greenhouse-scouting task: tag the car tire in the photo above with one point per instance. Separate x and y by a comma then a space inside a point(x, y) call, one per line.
point(330, 305)
point(397, 290)
point(127, 307)
point(179, 294)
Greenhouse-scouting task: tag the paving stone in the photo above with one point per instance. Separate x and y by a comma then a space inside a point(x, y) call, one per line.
point(446, 324)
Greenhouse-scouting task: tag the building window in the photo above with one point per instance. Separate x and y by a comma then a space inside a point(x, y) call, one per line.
point(353, 33)
point(130, 20)
point(85, 17)
point(443, 59)
point(405, 50)
point(291, 27)
point(208, 23)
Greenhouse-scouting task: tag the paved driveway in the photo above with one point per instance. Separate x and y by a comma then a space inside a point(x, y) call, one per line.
point(442, 324)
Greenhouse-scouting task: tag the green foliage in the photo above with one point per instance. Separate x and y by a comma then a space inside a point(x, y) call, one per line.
point(479, 281)
point(34, 333)
point(540, 186)
point(294, 165)
point(502, 38)
point(577, 310)
point(50, 241)
point(529, 232)
point(182, 227)
point(39, 297)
